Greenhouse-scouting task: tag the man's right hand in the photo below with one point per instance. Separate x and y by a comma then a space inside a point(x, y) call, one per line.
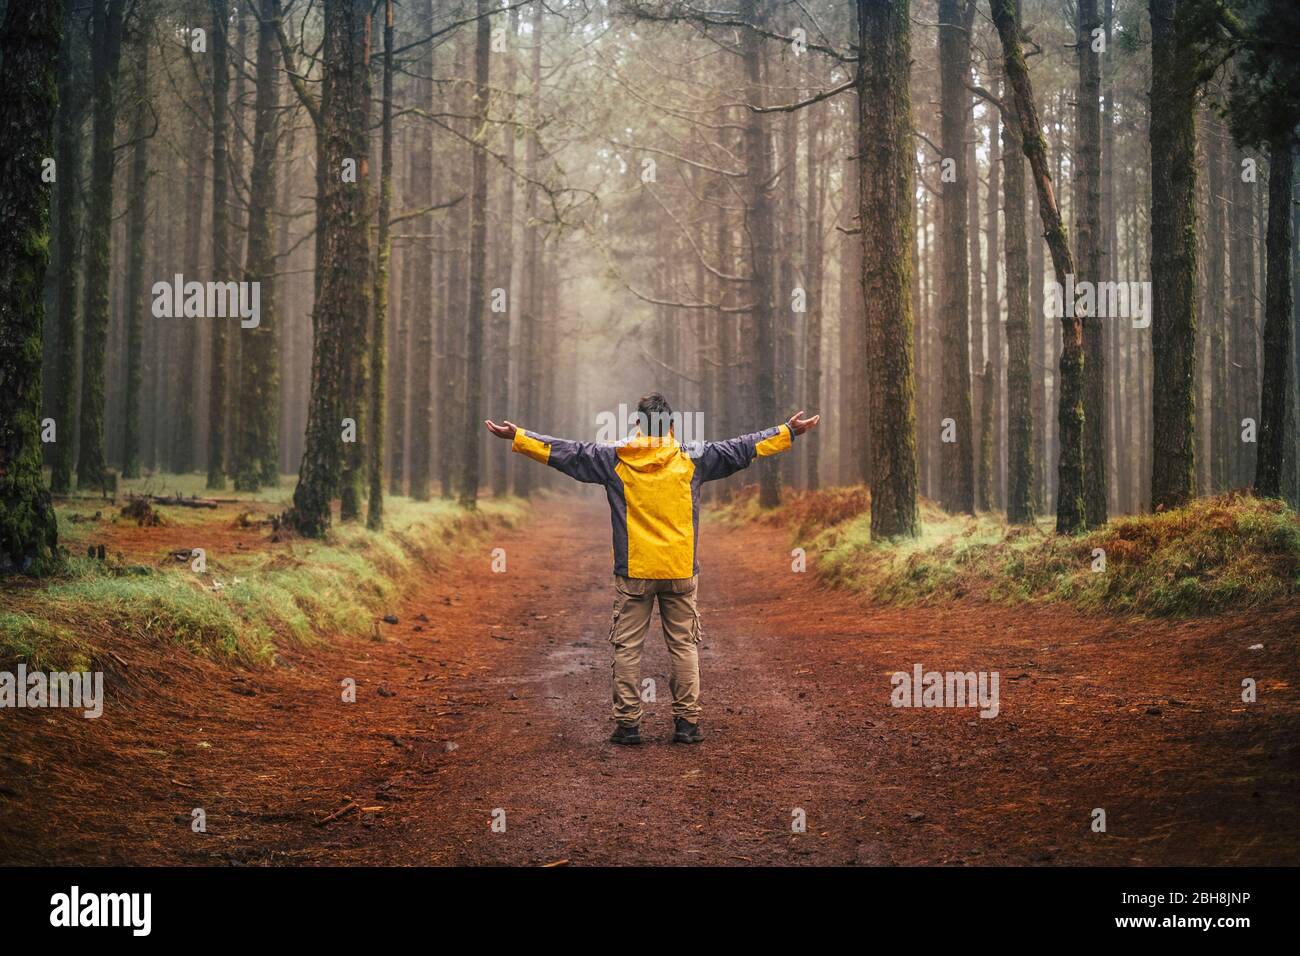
point(504, 430)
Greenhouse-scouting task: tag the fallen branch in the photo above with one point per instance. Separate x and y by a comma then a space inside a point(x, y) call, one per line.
point(189, 502)
point(352, 805)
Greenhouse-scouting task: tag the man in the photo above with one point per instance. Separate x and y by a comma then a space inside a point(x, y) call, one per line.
point(653, 486)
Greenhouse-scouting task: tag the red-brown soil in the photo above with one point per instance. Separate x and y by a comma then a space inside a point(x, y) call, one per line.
point(497, 698)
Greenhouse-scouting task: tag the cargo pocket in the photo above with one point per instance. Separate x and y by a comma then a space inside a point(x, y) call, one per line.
point(619, 601)
point(621, 596)
point(691, 586)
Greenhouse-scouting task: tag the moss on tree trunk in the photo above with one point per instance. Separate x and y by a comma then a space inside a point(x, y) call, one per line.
point(343, 253)
point(29, 45)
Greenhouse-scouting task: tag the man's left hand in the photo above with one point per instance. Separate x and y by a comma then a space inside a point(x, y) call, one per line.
point(800, 425)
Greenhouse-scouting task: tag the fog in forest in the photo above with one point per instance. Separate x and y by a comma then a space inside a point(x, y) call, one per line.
point(538, 211)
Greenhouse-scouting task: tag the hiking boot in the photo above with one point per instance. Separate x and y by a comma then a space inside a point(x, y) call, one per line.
point(626, 734)
point(686, 732)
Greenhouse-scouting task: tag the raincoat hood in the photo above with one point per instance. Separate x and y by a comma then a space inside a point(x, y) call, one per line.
point(642, 453)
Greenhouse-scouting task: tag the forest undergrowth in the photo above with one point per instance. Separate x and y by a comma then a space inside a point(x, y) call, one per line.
point(1224, 553)
point(255, 585)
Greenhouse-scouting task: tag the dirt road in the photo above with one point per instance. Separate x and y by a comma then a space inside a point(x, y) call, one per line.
point(488, 700)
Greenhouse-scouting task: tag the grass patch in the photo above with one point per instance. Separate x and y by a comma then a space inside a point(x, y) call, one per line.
point(1225, 553)
point(41, 643)
point(248, 601)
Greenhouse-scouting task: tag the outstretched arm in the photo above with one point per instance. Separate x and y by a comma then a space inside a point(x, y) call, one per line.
point(718, 459)
point(586, 461)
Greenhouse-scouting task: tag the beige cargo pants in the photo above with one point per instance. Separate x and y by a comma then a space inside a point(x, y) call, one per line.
point(634, 602)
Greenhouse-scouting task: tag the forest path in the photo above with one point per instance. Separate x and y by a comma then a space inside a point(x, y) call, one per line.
point(492, 694)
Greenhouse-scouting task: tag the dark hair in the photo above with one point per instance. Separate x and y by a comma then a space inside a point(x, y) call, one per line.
point(654, 415)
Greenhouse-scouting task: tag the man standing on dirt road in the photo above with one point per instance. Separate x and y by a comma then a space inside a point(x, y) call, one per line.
point(653, 486)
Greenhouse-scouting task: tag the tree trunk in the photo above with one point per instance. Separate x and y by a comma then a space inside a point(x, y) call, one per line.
point(1020, 412)
point(978, 334)
point(922, 339)
point(1273, 436)
point(258, 453)
point(68, 160)
point(724, 400)
point(222, 263)
point(919, 292)
point(1173, 255)
point(473, 409)
point(29, 49)
point(530, 283)
point(499, 362)
point(356, 351)
point(1069, 509)
point(813, 253)
point(399, 344)
point(1088, 237)
point(760, 225)
point(236, 253)
point(885, 155)
point(107, 40)
point(1221, 425)
point(452, 338)
point(986, 427)
point(422, 357)
point(957, 489)
point(378, 342)
point(343, 244)
point(137, 209)
point(855, 461)
point(189, 369)
point(1110, 244)
point(1039, 350)
point(786, 333)
point(993, 313)
point(290, 337)
point(1244, 329)
point(1294, 427)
